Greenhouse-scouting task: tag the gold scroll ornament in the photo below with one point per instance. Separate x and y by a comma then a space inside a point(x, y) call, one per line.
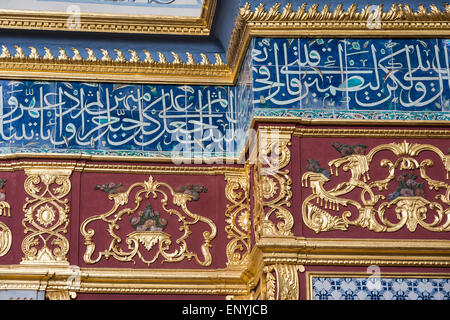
point(5, 232)
point(273, 185)
point(238, 218)
point(411, 210)
point(284, 285)
point(159, 240)
point(46, 216)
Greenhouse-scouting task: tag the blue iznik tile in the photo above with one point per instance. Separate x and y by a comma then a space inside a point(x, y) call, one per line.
point(368, 91)
point(369, 54)
point(322, 54)
point(123, 130)
point(276, 52)
point(324, 89)
point(414, 53)
point(32, 115)
point(156, 97)
point(276, 87)
point(207, 99)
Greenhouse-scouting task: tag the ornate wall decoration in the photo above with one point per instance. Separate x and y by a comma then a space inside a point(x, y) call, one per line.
point(358, 21)
point(60, 295)
point(117, 119)
point(238, 218)
point(273, 185)
point(409, 200)
point(128, 66)
point(46, 216)
point(150, 233)
point(195, 18)
point(5, 232)
point(380, 287)
point(284, 285)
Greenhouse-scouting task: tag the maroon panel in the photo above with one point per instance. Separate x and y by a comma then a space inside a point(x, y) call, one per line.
point(318, 152)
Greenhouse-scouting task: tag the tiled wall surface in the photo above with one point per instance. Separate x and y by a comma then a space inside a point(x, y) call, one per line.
point(110, 119)
point(380, 289)
point(352, 78)
point(401, 79)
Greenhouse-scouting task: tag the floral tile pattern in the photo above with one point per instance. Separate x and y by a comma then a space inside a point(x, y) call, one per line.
point(380, 289)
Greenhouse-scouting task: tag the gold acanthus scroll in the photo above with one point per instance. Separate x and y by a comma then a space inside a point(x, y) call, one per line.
point(411, 209)
point(158, 240)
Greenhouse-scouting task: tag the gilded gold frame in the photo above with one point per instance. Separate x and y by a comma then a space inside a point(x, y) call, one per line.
point(102, 22)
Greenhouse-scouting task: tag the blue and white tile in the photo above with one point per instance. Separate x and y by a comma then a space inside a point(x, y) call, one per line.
point(277, 52)
point(274, 88)
point(380, 289)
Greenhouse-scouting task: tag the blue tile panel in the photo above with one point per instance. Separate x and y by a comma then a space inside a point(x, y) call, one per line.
point(380, 289)
point(379, 79)
point(351, 74)
point(112, 119)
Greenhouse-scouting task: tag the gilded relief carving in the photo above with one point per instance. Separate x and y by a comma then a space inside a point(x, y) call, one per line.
point(284, 285)
point(46, 216)
point(273, 185)
point(238, 218)
point(409, 198)
point(149, 226)
point(5, 232)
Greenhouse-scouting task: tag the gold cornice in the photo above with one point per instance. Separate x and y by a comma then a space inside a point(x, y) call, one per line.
point(112, 67)
point(102, 22)
point(355, 252)
point(87, 157)
point(118, 168)
point(123, 281)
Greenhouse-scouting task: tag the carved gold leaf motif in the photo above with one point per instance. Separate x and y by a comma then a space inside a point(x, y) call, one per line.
point(46, 216)
point(150, 240)
point(411, 207)
point(273, 186)
point(238, 218)
point(285, 286)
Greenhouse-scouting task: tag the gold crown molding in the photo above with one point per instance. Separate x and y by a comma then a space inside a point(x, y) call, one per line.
point(310, 275)
point(352, 252)
point(119, 168)
point(398, 21)
point(362, 132)
point(87, 157)
point(349, 122)
point(111, 67)
point(99, 22)
point(65, 282)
